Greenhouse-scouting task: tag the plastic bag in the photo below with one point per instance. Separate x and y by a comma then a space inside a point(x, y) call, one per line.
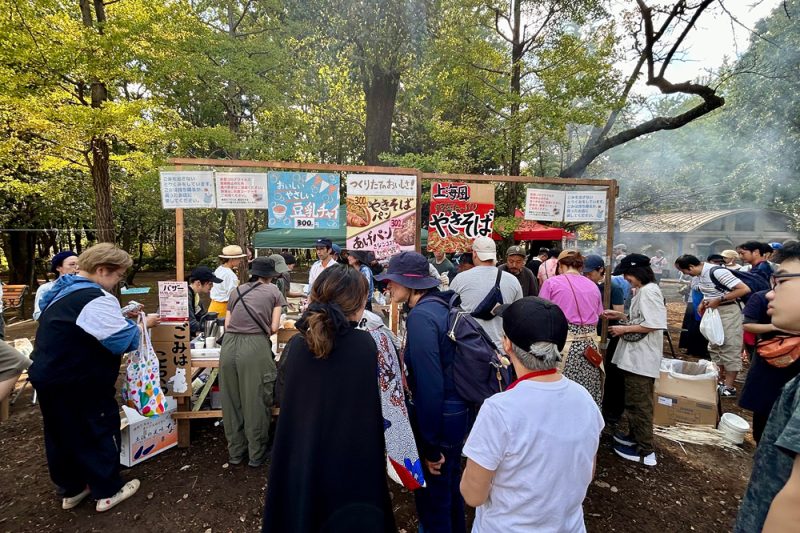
point(711, 327)
point(142, 387)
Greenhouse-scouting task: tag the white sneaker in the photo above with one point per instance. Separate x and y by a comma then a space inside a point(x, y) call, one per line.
point(632, 454)
point(74, 501)
point(127, 490)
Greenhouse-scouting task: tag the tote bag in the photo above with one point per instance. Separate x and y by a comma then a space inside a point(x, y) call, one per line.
point(142, 388)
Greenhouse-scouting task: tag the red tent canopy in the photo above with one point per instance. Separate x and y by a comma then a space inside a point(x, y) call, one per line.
point(530, 230)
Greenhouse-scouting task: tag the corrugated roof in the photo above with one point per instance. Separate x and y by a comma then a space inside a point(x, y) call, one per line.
point(681, 222)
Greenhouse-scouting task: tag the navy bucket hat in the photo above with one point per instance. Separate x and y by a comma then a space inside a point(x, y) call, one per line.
point(411, 270)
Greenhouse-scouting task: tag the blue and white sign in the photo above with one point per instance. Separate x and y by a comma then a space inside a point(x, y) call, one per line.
point(303, 200)
point(188, 190)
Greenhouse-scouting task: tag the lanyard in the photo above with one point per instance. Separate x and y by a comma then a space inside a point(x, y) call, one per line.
point(532, 375)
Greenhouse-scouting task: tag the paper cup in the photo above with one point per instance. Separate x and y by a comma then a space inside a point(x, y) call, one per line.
point(211, 342)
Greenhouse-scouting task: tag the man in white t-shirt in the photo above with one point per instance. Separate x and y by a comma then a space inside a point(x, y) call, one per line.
point(531, 453)
point(721, 296)
point(474, 285)
point(324, 249)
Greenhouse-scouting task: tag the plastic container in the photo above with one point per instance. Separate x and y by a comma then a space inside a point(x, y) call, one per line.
point(733, 427)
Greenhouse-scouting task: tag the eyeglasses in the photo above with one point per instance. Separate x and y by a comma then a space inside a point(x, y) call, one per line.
point(777, 279)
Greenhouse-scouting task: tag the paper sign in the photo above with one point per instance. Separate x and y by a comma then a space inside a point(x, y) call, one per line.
point(303, 200)
point(171, 344)
point(665, 401)
point(544, 204)
point(459, 213)
point(173, 301)
point(585, 206)
point(241, 190)
point(187, 189)
point(381, 213)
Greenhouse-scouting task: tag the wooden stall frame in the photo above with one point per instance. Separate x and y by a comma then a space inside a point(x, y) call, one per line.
point(185, 414)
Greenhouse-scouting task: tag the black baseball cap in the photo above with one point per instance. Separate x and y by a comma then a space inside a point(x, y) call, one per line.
point(289, 258)
point(633, 260)
point(203, 273)
point(533, 319)
point(323, 243)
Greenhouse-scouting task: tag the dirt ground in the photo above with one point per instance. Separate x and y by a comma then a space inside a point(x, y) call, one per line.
point(693, 488)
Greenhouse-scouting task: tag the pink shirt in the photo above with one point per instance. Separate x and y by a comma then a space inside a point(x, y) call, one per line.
point(587, 296)
point(548, 269)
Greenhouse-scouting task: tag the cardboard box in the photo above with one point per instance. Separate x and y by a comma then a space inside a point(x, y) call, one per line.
point(171, 342)
point(686, 393)
point(143, 437)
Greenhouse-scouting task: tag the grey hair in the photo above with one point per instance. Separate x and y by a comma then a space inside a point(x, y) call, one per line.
point(540, 356)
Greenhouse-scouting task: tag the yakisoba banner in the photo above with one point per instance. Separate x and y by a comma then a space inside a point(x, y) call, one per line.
point(381, 213)
point(459, 213)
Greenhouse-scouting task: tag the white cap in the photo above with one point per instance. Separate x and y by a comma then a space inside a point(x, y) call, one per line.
point(485, 248)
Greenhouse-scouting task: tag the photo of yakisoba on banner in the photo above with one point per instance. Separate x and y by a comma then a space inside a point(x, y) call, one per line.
point(381, 213)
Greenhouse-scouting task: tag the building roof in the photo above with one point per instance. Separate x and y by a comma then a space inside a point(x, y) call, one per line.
point(680, 222)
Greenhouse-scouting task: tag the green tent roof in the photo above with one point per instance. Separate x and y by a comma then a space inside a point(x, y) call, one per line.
point(305, 238)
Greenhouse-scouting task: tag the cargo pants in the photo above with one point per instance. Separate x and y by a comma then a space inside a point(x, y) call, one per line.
point(247, 376)
point(639, 409)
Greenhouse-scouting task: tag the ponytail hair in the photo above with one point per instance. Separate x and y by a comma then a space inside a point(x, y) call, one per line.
point(338, 293)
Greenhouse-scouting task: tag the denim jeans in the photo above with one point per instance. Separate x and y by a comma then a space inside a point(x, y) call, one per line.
point(439, 505)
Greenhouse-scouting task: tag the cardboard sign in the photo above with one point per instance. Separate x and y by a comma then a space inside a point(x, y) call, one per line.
point(241, 190)
point(187, 189)
point(381, 213)
point(173, 301)
point(171, 344)
point(585, 206)
point(303, 200)
point(545, 204)
point(459, 213)
point(144, 437)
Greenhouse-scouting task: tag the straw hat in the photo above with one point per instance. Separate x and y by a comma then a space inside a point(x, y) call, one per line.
point(730, 254)
point(232, 251)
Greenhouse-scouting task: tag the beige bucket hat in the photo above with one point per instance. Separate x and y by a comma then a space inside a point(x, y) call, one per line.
point(232, 251)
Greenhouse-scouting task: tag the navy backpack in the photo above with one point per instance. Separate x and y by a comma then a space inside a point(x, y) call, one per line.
point(757, 281)
point(479, 371)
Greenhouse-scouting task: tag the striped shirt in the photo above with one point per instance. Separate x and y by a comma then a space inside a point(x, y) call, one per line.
point(722, 275)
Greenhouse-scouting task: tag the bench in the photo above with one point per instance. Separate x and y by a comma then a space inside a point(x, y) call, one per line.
point(14, 298)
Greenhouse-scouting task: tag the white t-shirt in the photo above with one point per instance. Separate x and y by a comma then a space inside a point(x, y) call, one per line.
point(542, 466)
point(474, 284)
point(221, 292)
point(643, 357)
point(722, 275)
point(316, 270)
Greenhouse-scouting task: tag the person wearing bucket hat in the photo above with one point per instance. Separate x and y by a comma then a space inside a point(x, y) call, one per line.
point(230, 259)
point(247, 369)
point(441, 415)
point(509, 459)
point(360, 260)
point(515, 265)
point(201, 280)
point(63, 263)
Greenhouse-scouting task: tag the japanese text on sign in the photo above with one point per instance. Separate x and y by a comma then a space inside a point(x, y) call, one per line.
point(171, 344)
point(187, 189)
point(173, 301)
point(381, 185)
point(460, 212)
point(585, 206)
point(303, 200)
point(544, 204)
point(241, 190)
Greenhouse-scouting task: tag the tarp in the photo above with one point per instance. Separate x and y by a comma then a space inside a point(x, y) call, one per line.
point(530, 230)
point(305, 238)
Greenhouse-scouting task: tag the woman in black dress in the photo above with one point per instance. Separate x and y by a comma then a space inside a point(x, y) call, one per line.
point(328, 468)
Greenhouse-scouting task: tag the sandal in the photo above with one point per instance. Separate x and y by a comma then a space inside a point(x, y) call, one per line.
point(74, 501)
point(127, 490)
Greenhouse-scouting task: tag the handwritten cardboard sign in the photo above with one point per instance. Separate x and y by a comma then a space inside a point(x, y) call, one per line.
point(171, 344)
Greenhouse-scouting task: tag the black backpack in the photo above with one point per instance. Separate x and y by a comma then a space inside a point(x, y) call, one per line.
point(485, 309)
point(479, 371)
point(757, 281)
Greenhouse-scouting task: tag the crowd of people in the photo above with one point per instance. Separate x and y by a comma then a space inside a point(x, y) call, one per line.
point(345, 379)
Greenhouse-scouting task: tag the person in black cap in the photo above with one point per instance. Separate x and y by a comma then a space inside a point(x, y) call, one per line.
point(324, 249)
point(521, 455)
point(638, 356)
point(441, 416)
point(63, 263)
point(201, 280)
point(247, 369)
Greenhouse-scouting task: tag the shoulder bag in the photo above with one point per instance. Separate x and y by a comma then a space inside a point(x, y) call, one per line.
point(590, 352)
point(780, 351)
point(485, 309)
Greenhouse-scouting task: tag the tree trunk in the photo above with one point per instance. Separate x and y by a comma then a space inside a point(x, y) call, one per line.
point(381, 94)
point(19, 248)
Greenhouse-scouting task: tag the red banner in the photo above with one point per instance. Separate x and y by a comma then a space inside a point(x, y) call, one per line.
point(459, 213)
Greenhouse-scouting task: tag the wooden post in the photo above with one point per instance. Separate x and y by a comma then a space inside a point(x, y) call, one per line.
point(179, 265)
